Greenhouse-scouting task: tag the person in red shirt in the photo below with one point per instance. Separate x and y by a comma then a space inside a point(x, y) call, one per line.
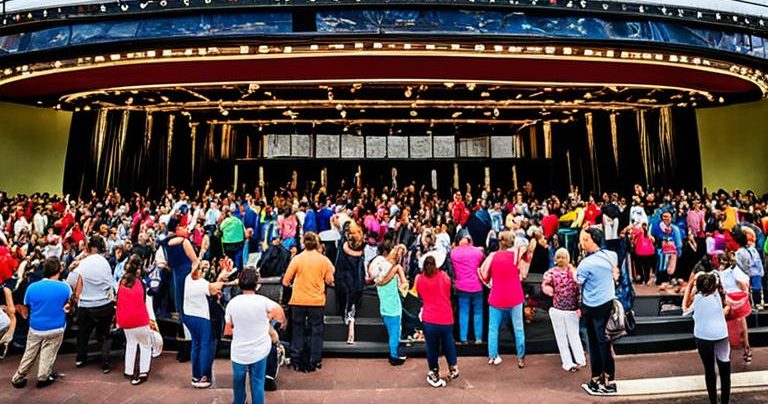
point(549, 225)
point(459, 211)
point(133, 317)
point(434, 288)
point(592, 213)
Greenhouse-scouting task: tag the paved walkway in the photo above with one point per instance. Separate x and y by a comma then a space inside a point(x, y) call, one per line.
point(370, 381)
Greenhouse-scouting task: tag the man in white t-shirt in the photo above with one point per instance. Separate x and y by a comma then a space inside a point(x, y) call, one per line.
point(248, 318)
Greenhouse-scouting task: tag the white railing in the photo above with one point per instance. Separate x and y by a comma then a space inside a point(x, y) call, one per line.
point(748, 7)
point(23, 5)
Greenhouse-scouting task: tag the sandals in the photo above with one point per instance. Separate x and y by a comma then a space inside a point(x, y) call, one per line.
point(521, 363)
point(747, 356)
point(140, 379)
point(573, 369)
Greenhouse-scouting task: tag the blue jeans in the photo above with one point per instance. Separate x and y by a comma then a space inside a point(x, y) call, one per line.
point(393, 330)
point(476, 300)
point(179, 276)
point(202, 346)
point(497, 317)
point(435, 337)
point(257, 372)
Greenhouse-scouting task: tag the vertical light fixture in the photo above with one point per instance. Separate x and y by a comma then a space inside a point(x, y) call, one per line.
point(534, 143)
point(324, 177)
point(169, 148)
point(615, 140)
point(665, 135)
point(514, 177)
point(236, 173)
point(592, 155)
point(101, 133)
point(193, 136)
point(642, 133)
point(547, 140)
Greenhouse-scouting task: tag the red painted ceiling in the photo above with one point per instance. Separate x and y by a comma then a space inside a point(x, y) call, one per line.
point(366, 67)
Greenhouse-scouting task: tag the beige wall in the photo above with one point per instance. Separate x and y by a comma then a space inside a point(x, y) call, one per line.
point(734, 147)
point(33, 147)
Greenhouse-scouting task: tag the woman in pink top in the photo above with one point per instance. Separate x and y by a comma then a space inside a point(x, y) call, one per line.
point(287, 226)
point(434, 288)
point(502, 269)
point(466, 259)
point(645, 253)
point(134, 318)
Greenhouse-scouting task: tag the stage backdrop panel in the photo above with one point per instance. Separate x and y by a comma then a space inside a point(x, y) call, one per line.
point(278, 146)
point(397, 147)
point(327, 146)
point(301, 145)
point(352, 147)
point(375, 147)
point(33, 148)
point(421, 147)
point(444, 147)
point(733, 142)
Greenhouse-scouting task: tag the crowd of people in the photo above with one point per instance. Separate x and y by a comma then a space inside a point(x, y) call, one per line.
point(106, 262)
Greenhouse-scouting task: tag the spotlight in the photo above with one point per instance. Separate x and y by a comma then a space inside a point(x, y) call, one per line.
point(223, 112)
point(414, 113)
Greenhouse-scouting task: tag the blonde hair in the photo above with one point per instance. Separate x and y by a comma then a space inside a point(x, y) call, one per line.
point(563, 252)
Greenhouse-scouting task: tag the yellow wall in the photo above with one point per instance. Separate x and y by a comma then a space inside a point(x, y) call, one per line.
point(734, 146)
point(33, 147)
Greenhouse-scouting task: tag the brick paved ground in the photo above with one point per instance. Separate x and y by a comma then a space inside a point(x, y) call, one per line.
point(367, 380)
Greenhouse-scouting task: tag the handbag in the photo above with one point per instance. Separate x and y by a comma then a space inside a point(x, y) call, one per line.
point(156, 342)
point(616, 327)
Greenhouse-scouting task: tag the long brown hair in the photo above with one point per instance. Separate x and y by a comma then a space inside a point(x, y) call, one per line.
point(430, 267)
point(132, 269)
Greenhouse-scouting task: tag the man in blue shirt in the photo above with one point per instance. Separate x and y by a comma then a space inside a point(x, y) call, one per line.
point(324, 216)
point(250, 220)
point(596, 274)
point(48, 302)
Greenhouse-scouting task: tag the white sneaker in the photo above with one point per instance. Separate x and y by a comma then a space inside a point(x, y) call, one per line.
point(494, 361)
point(434, 379)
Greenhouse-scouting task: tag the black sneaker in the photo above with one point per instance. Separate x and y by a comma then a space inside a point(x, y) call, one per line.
point(397, 361)
point(608, 388)
point(105, 368)
point(80, 364)
point(19, 384)
point(45, 382)
point(270, 384)
point(593, 388)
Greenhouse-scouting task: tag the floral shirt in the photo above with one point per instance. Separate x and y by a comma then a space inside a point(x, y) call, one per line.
point(566, 290)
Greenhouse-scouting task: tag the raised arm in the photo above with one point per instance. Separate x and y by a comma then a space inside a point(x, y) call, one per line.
point(389, 275)
point(277, 313)
point(689, 293)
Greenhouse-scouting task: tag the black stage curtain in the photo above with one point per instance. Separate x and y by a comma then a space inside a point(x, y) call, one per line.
point(147, 153)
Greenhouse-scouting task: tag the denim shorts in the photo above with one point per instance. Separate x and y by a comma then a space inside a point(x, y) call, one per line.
point(756, 282)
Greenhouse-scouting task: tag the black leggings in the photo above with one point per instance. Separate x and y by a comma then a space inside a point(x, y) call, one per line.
point(711, 352)
point(600, 356)
point(644, 265)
